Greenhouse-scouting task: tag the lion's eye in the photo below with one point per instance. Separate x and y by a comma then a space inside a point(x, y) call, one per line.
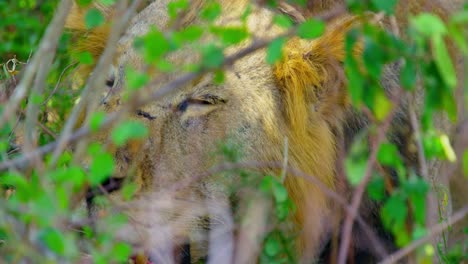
point(207, 99)
point(110, 81)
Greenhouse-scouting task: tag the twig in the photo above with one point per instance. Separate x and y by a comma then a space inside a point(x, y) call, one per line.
point(285, 159)
point(58, 82)
point(358, 194)
point(434, 231)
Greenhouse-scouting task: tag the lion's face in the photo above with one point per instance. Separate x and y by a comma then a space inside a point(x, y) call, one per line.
point(256, 109)
point(186, 129)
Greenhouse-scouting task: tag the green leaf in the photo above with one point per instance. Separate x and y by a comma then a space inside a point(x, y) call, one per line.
point(219, 77)
point(53, 239)
point(107, 2)
point(212, 56)
point(93, 18)
point(311, 29)
point(83, 3)
point(355, 78)
point(135, 79)
point(429, 25)
point(388, 6)
point(129, 190)
point(272, 246)
point(175, 7)
point(189, 34)
point(416, 188)
point(153, 45)
point(279, 191)
point(356, 161)
point(408, 75)
point(121, 252)
point(382, 106)
point(355, 170)
point(376, 188)
point(101, 167)
point(283, 21)
point(96, 120)
point(211, 11)
point(266, 183)
point(274, 51)
point(230, 35)
point(282, 209)
point(165, 66)
point(388, 155)
point(85, 58)
point(128, 130)
point(394, 211)
point(447, 148)
point(443, 61)
point(457, 35)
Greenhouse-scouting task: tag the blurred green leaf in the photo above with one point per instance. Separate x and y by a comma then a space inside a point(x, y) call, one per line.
point(211, 11)
point(443, 61)
point(376, 188)
point(93, 18)
point(408, 75)
point(96, 120)
point(311, 29)
point(230, 35)
point(53, 239)
point(388, 6)
point(283, 20)
point(429, 25)
point(136, 79)
point(128, 130)
point(212, 56)
point(274, 51)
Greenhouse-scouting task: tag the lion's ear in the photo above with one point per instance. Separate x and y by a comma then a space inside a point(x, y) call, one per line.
point(311, 76)
point(90, 40)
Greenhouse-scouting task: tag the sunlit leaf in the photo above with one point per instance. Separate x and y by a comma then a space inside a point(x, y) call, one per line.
point(128, 130)
point(443, 61)
point(311, 29)
point(93, 18)
point(274, 51)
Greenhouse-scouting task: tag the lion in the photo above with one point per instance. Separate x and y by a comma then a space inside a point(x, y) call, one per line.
point(301, 100)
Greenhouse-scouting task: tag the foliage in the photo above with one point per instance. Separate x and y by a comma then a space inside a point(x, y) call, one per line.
point(39, 207)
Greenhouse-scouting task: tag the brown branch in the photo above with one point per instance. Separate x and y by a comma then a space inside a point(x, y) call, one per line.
point(433, 231)
point(358, 194)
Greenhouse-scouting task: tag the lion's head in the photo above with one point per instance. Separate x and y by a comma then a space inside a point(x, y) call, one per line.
point(256, 108)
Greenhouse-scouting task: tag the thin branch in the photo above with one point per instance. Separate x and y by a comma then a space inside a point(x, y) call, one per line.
point(58, 82)
point(433, 231)
point(358, 194)
point(285, 159)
